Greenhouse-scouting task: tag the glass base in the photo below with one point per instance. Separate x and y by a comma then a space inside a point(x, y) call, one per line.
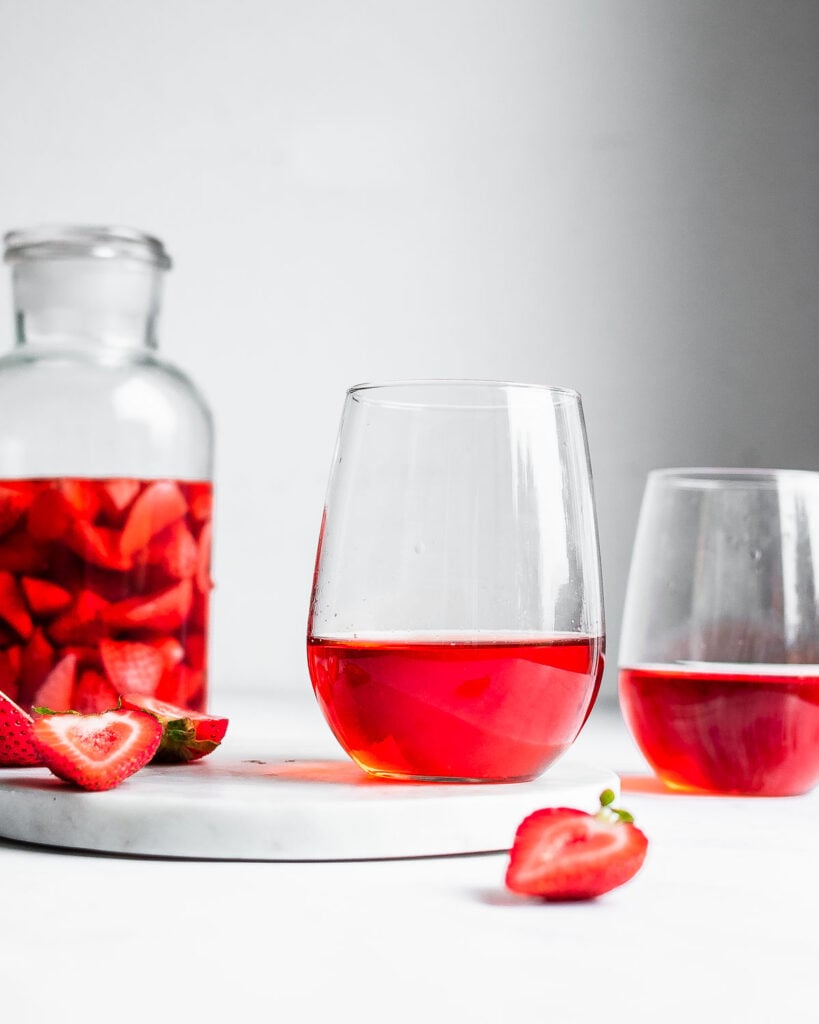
point(444, 779)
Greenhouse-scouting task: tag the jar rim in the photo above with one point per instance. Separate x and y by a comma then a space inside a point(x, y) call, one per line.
point(66, 241)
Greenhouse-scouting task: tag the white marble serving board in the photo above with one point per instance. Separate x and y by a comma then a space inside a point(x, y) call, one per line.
point(254, 808)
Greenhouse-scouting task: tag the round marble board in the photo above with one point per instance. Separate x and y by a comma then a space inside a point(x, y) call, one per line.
point(283, 809)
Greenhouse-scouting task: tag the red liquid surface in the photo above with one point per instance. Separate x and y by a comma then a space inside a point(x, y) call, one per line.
point(492, 711)
point(730, 731)
point(113, 572)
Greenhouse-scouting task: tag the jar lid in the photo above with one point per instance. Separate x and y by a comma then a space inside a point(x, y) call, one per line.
point(73, 240)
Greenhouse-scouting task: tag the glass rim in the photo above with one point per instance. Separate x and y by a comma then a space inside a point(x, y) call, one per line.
point(72, 241)
point(420, 392)
point(703, 477)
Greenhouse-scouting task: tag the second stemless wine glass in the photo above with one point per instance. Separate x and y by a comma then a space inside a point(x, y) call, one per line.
point(719, 677)
point(456, 622)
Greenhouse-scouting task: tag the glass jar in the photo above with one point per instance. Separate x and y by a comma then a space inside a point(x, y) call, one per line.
point(105, 481)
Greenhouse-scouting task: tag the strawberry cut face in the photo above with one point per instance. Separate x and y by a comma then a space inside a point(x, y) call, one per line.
point(96, 752)
point(17, 749)
point(561, 854)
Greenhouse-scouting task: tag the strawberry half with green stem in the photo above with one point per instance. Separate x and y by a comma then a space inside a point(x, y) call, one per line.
point(186, 735)
point(17, 749)
point(563, 854)
point(96, 752)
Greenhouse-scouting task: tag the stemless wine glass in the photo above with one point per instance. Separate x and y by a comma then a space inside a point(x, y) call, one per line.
point(719, 659)
point(456, 623)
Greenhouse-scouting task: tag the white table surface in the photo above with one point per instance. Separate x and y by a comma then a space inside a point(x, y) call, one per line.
point(720, 925)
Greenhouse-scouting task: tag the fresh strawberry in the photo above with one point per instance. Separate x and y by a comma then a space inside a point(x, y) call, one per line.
point(83, 622)
point(56, 691)
point(117, 495)
point(96, 752)
point(159, 505)
point(93, 694)
point(132, 667)
point(13, 608)
point(563, 854)
point(17, 748)
point(164, 611)
point(186, 735)
point(45, 598)
point(12, 505)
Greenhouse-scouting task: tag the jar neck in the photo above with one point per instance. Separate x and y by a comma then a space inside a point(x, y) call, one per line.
point(86, 302)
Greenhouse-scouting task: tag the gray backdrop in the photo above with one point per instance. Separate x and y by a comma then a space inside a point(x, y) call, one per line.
point(617, 196)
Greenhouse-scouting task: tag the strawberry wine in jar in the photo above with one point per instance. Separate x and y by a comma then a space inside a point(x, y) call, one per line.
point(105, 482)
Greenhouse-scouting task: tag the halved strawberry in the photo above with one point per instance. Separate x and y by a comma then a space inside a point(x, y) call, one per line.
point(96, 752)
point(44, 598)
point(186, 735)
point(132, 667)
point(83, 622)
point(13, 608)
point(159, 505)
point(12, 505)
point(164, 611)
point(17, 748)
point(93, 694)
point(563, 854)
point(57, 689)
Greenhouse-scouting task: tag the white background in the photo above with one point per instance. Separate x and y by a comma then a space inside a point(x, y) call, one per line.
point(620, 197)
